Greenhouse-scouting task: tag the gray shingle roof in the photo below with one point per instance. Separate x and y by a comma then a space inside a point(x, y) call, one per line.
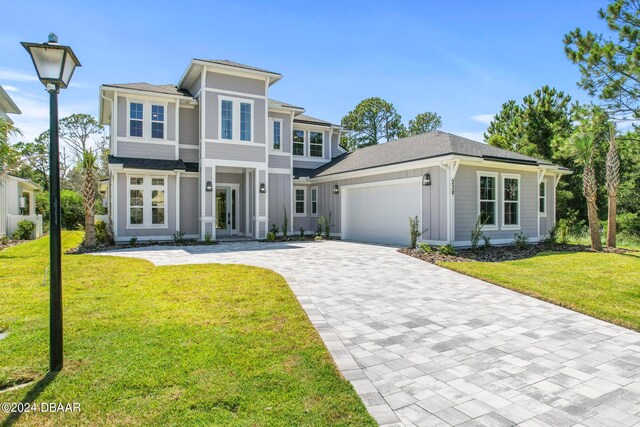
point(424, 146)
point(147, 87)
point(301, 118)
point(279, 104)
point(153, 164)
point(236, 65)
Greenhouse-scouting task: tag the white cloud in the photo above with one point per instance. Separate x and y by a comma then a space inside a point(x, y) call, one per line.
point(483, 118)
point(10, 88)
point(17, 76)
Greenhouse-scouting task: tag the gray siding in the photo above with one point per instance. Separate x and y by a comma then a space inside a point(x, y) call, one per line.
point(262, 197)
point(122, 116)
point(286, 130)
point(195, 86)
point(211, 115)
point(282, 162)
point(146, 150)
point(335, 142)
point(189, 197)
point(279, 193)
point(307, 164)
point(144, 232)
point(235, 83)
point(466, 203)
point(171, 121)
point(208, 195)
point(245, 153)
point(189, 126)
point(547, 223)
point(189, 155)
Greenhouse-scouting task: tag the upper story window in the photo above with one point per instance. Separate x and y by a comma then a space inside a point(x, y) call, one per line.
point(487, 199)
point(298, 142)
point(226, 115)
point(245, 121)
point(157, 121)
point(511, 201)
point(147, 199)
point(236, 119)
point(542, 203)
point(136, 119)
point(315, 144)
point(276, 134)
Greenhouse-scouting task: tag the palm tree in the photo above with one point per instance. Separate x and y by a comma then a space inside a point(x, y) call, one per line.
point(89, 197)
point(613, 180)
point(584, 147)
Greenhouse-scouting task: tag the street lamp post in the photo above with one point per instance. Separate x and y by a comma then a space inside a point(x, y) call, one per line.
point(55, 65)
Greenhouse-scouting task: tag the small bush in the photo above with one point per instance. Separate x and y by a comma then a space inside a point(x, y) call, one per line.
point(318, 238)
point(447, 250)
point(285, 222)
point(24, 230)
point(562, 231)
point(208, 239)
point(271, 236)
point(487, 241)
point(324, 226)
point(476, 233)
point(628, 223)
point(424, 248)
point(178, 237)
point(414, 231)
point(520, 240)
point(133, 241)
point(103, 233)
point(274, 229)
point(301, 231)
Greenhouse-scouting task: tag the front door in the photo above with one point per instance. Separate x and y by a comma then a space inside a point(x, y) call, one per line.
point(226, 210)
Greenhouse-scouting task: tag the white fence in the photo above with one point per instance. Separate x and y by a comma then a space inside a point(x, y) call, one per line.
point(13, 220)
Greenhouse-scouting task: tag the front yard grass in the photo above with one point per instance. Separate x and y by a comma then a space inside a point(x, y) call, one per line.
point(602, 285)
point(181, 345)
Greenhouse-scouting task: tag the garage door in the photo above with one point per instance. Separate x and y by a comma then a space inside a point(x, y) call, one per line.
point(379, 213)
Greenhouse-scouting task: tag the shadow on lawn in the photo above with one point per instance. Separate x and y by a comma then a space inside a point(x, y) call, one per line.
point(30, 397)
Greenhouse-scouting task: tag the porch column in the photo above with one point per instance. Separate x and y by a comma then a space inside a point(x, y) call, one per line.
point(260, 223)
point(207, 209)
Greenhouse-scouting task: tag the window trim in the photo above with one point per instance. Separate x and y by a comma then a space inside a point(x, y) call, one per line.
point(235, 119)
point(272, 120)
point(480, 174)
point(321, 156)
point(312, 191)
point(144, 109)
point(543, 183)
point(305, 139)
point(517, 176)
point(146, 121)
point(304, 200)
point(164, 122)
point(147, 188)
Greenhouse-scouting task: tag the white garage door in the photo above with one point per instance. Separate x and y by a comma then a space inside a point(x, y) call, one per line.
point(379, 213)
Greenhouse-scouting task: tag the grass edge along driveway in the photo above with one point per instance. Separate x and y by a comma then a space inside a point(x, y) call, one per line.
point(181, 345)
point(601, 285)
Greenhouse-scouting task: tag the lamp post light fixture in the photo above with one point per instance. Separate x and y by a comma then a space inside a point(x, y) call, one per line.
point(209, 186)
point(55, 65)
point(263, 188)
point(426, 179)
point(336, 189)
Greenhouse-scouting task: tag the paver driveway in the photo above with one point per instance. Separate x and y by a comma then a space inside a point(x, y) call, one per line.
point(427, 346)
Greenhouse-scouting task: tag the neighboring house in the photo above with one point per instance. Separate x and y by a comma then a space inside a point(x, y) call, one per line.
point(18, 203)
point(7, 106)
point(215, 156)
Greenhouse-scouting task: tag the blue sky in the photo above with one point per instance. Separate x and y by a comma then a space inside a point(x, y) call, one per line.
point(461, 59)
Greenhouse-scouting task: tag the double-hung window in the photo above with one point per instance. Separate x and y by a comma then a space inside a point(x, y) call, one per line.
point(276, 134)
point(136, 114)
point(298, 142)
point(226, 119)
point(315, 144)
point(299, 194)
point(245, 121)
point(542, 203)
point(157, 121)
point(314, 201)
point(487, 199)
point(147, 201)
point(511, 202)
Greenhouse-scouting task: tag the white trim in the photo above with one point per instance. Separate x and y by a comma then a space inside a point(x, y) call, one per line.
point(511, 227)
point(188, 146)
point(146, 94)
point(479, 174)
point(304, 143)
point(147, 121)
point(177, 201)
point(236, 143)
point(381, 183)
point(465, 243)
point(147, 209)
point(546, 197)
point(311, 191)
point(232, 92)
point(236, 126)
point(230, 187)
point(321, 156)
point(304, 202)
point(271, 135)
point(159, 238)
point(280, 171)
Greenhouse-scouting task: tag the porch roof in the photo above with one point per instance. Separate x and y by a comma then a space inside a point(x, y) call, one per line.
point(153, 164)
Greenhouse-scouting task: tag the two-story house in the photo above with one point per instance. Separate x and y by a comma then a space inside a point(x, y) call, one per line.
point(215, 156)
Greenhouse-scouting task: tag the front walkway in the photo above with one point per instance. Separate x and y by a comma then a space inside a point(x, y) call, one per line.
point(427, 346)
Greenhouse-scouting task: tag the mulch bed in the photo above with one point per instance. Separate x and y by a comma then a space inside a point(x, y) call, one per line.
point(101, 248)
point(500, 253)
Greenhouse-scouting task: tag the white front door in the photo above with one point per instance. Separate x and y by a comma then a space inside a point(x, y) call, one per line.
point(226, 210)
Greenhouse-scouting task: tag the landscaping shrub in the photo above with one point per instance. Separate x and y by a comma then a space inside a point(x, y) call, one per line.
point(324, 226)
point(414, 231)
point(520, 240)
point(424, 248)
point(301, 231)
point(178, 237)
point(628, 223)
point(208, 239)
point(447, 250)
point(487, 241)
point(285, 222)
point(271, 236)
point(133, 241)
point(72, 211)
point(24, 230)
point(274, 229)
point(103, 233)
point(476, 233)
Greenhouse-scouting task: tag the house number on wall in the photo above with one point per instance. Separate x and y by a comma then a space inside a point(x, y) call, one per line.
point(453, 186)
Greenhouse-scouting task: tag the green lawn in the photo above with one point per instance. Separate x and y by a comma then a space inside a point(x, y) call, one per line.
point(182, 345)
point(602, 285)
